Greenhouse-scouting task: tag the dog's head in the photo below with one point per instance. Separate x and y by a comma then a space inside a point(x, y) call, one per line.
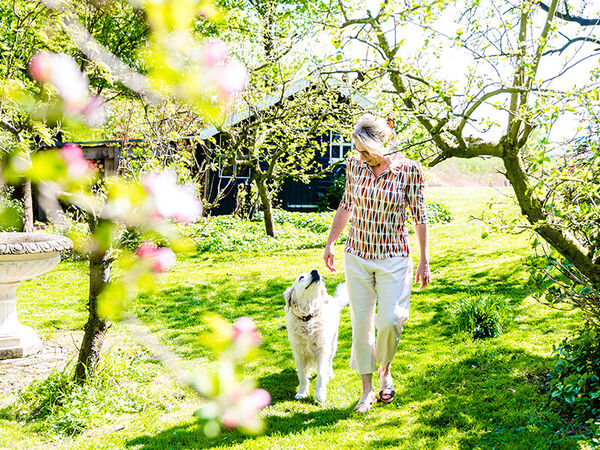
point(307, 290)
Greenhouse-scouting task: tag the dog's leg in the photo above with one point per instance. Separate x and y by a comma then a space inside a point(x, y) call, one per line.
point(323, 371)
point(303, 383)
point(333, 352)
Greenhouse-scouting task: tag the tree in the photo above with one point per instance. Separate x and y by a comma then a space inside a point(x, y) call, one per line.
point(516, 58)
point(280, 140)
point(28, 27)
point(189, 73)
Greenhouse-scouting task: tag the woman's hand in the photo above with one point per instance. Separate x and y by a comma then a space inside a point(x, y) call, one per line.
point(328, 257)
point(423, 274)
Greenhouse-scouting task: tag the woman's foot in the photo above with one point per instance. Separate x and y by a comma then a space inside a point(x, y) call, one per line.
point(386, 385)
point(365, 402)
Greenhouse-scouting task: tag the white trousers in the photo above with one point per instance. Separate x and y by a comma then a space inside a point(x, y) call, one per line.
point(386, 283)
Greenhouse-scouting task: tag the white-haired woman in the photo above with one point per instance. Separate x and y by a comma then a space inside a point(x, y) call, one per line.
point(380, 186)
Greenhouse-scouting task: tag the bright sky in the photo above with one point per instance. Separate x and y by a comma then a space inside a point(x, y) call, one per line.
point(454, 63)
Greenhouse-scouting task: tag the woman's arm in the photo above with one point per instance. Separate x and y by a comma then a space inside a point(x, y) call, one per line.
point(423, 273)
point(341, 218)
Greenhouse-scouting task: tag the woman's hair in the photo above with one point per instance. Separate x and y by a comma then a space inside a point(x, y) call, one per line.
point(374, 133)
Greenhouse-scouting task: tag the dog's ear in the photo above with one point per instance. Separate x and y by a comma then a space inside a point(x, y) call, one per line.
point(288, 295)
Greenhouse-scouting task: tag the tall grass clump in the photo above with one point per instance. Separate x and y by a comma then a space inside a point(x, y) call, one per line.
point(60, 406)
point(482, 316)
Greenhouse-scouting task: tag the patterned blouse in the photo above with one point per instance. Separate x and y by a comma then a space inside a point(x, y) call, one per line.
point(378, 228)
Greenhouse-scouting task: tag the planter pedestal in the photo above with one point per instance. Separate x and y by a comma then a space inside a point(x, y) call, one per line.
point(23, 256)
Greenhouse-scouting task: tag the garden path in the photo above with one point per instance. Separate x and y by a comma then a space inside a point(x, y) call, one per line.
point(19, 372)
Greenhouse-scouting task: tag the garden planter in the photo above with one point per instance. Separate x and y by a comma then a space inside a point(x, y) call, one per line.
point(23, 256)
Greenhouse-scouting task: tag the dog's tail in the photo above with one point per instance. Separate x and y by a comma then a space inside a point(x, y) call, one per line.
point(341, 295)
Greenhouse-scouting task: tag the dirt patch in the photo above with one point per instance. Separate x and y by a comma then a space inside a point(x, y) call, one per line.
point(17, 373)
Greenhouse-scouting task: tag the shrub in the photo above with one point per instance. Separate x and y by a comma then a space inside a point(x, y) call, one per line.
point(575, 377)
point(438, 213)
point(330, 199)
point(482, 316)
point(295, 230)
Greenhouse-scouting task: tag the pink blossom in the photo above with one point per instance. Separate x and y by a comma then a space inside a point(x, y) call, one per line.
point(164, 260)
point(94, 112)
point(259, 399)
point(232, 79)
point(77, 165)
point(72, 85)
point(146, 249)
point(242, 409)
point(172, 200)
point(40, 67)
point(214, 52)
point(244, 329)
point(161, 259)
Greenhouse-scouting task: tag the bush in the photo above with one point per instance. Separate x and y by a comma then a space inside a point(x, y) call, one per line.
point(330, 199)
point(482, 316)
point(575, 377)
point(438, 213)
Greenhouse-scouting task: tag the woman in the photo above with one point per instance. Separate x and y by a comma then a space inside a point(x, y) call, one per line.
point(380, 186)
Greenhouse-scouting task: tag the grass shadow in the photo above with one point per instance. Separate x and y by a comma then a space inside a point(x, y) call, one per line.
point(485, 399)
point(190, 436)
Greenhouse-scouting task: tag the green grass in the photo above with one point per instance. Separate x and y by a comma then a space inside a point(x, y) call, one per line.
point(452, 391)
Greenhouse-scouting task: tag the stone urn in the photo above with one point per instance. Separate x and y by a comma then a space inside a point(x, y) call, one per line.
point(23, 256)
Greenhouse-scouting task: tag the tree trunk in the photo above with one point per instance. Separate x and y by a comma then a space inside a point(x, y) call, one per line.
point(96, 327)
point(265, 199)
point(562, 241)
point(27, 207)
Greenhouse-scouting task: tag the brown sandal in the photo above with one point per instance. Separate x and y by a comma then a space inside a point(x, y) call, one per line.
point(387, 395)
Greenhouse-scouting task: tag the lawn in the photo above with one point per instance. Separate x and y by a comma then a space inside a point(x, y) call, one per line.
point(452, 391)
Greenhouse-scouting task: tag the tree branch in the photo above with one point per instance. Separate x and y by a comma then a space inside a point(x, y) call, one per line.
point(572, 41)
point(569, 18)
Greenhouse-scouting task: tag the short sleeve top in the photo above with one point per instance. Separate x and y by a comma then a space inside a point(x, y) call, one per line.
point(379, 206)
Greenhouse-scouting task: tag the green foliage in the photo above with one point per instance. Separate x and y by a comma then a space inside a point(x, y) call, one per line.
point(315, 222)
point(58, 405)
point(75, 229)
point(230, 234)
point(575, 383)
point(482, 316)
point(11, 210)
point(332, 196)
point(462, 393)
point(296, 230)
point(437, 212)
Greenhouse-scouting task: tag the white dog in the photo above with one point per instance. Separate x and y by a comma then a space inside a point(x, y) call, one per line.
point(312, 318)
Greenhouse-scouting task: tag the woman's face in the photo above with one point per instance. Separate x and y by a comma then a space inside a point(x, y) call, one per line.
point(367, 155)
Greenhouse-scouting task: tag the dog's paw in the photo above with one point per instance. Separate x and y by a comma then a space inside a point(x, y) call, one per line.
point(321, 395)
point(301, 395)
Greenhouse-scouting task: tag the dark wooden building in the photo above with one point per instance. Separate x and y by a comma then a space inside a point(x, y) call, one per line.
point(294, 195)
